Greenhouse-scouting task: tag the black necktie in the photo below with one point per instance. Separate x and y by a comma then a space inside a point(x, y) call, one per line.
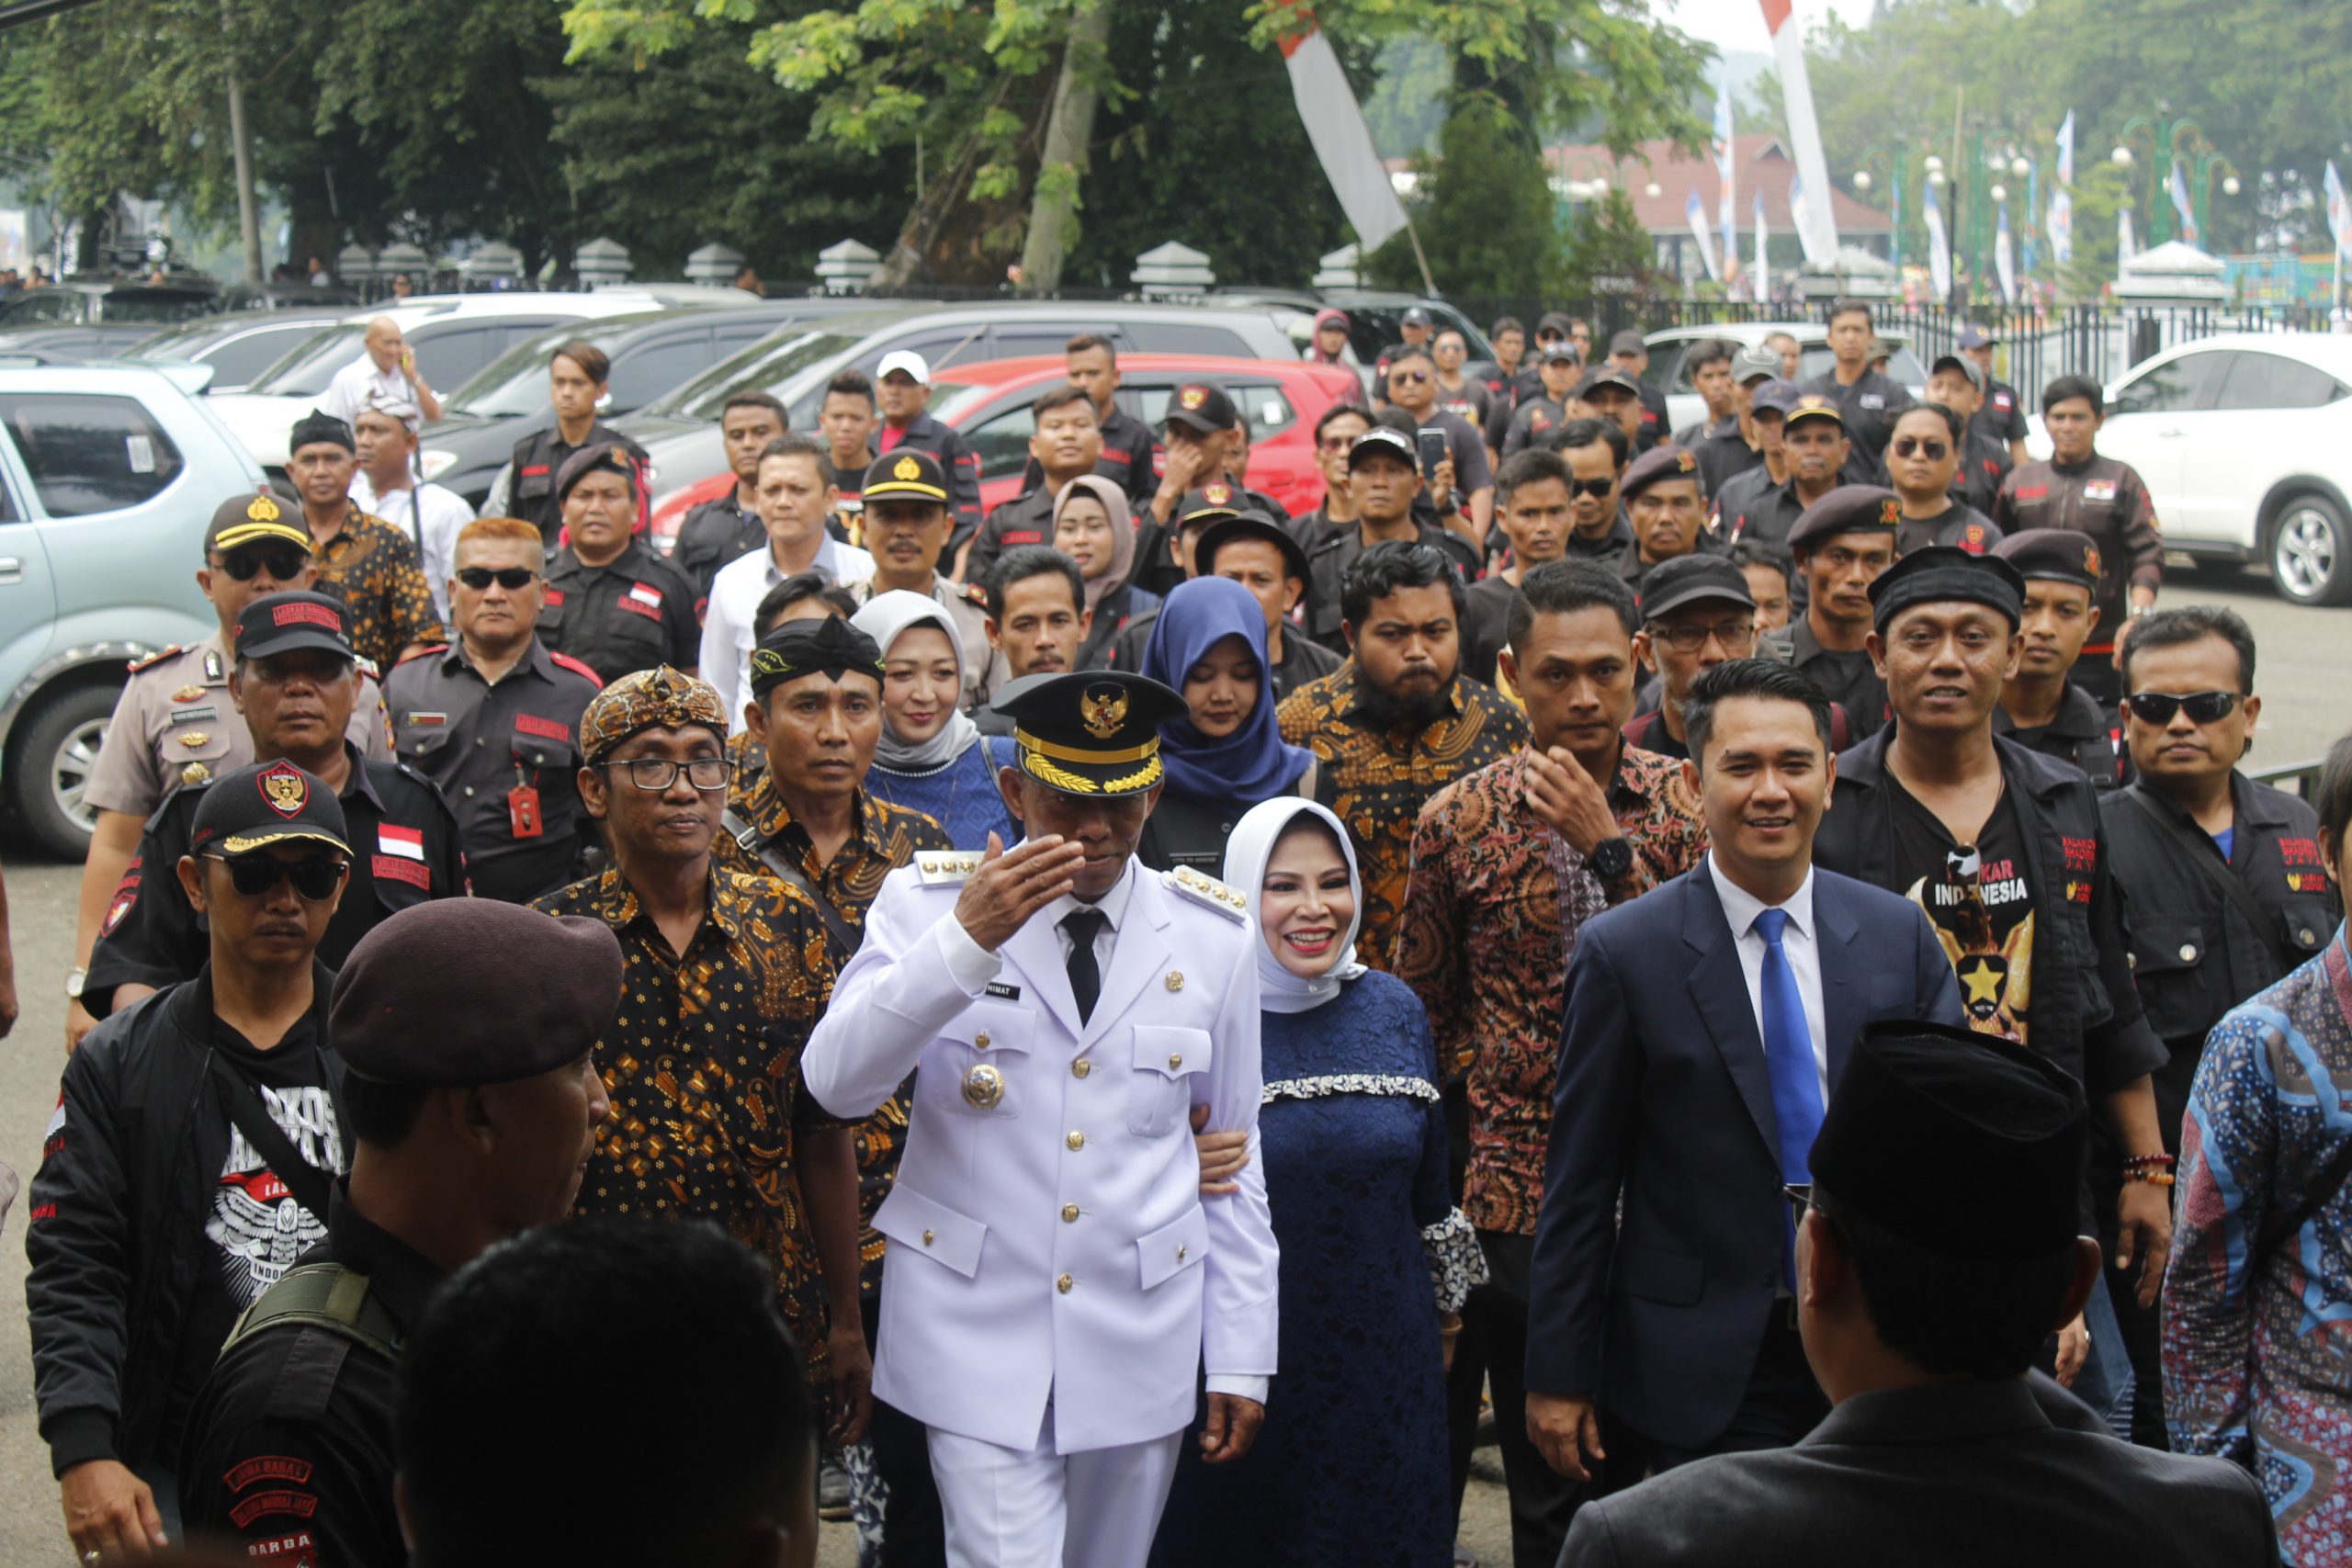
point(1085, 974)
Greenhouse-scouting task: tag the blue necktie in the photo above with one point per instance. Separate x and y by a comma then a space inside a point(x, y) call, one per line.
point(1788, 1053)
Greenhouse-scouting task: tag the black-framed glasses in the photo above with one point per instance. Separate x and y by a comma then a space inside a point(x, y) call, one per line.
point(2157, 708)
point(706, 773)
point(512, 579)
point(1593, 487)
point(284, 563)
point(1687, 638)
point(315, 877)
point(1912, 445)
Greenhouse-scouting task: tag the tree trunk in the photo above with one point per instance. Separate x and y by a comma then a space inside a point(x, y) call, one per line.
point(248, 201)
point(1052, 203)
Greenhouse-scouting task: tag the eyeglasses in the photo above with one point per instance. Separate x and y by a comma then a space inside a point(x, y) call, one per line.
point(2157, 708)
point(284, 565)
point(1396, 376)
point(315, 877)
point(706, 773)
point(1732, 635)
point(511, 578)
point(1593, 487)
point(1911, 446)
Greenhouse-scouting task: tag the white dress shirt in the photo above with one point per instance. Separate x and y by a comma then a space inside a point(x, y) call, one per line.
point(728, 633)
point(353, 385)
point(1799, 940)
point(430, 516)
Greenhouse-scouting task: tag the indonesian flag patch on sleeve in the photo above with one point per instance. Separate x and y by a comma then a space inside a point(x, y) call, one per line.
point(407, 842)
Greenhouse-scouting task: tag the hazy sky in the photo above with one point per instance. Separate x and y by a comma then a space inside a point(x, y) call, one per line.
point(1733, 26)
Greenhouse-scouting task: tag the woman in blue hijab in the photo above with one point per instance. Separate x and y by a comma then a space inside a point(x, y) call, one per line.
point(1209, 643)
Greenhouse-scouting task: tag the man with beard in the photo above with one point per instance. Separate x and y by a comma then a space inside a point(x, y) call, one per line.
point(1399, 721)
point(1921, 461)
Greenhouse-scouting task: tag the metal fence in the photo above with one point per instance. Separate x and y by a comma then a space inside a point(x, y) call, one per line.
point(2297, 779)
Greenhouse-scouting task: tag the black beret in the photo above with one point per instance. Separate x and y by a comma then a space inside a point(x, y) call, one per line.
point(315, 427)
point(1656, 467)
point(603, 457)
point(1693, 579)
point(1946, 574)
point(2059, 554)
point(1848, 508)
point(816, 645)
point(465, 991)
point(1959, 1143)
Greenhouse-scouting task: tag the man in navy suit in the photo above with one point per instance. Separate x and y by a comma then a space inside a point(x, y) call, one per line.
point(1705, 1024)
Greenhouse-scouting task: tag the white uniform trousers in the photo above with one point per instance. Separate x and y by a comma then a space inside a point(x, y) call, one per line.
point(1036, 1508)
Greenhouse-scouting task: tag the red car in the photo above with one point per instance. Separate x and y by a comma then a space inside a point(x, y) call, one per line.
point(989, 403)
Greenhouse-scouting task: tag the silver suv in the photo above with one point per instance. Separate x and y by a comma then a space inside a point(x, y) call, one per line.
point(107, 476)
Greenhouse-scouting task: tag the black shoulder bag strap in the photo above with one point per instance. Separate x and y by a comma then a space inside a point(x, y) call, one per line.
point(309, 1184)
point(845, 936)
point(2217, 871)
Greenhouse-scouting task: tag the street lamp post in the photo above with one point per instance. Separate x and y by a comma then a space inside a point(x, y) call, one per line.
point(1863, 180)
point(2179, 142)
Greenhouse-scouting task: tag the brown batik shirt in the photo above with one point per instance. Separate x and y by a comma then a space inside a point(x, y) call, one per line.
point(885, 838)
point(703, 1065)
point(372, 567)
point(1377, 781)
point(1491, 919)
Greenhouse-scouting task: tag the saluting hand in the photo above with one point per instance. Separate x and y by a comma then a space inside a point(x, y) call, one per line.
point(1012, 885)
point(1563, 794)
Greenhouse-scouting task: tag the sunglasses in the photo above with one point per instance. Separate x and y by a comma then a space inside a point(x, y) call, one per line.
point(1733, 635)
point(1593, 487)
point(283, 564)
point(1396, 376)
point(511, 578)
point(706, 773)
point(315, 877)
point(1911, 446)
point(2157, 708)
point(1337, 443)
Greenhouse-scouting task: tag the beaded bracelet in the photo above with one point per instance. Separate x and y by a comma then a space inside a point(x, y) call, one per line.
point(2141, 1162)
point(2152, 1178)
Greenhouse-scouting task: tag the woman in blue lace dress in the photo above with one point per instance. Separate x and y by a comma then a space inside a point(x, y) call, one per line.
point(932, 758)
point(1349, 1468)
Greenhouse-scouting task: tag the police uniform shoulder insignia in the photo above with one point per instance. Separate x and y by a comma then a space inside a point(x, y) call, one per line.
point(1202, 888)
point(426, 652)
point(577, 667)
point(366, 667)
point(946, 868)
point(976, 593)
point(154, 659)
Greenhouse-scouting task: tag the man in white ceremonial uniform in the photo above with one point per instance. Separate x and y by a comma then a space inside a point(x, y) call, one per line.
point(1053, 1283)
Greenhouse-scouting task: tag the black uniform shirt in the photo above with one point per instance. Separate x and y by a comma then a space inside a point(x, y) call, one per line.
point(1849, 679)
point(1984, 464)
point(1027, 518)
point(2080, 735)
point(1957, 524)
point(2002, 417)
point(292, 1435)
point(481, 743)
point(1603, 546)
point(630, 614)
point(537, 458)
point(2195, 955)
point(1869, 406)
point(404, 850)
point(1726, 455)
point(1328, 565)
point(1753, 507)
point(2107, 500)
point(715, 533)
point(1126, 459)
point(1532, 424)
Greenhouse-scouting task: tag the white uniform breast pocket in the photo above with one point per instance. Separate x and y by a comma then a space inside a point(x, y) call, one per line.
point(974, 1069)
point(1160, 1090)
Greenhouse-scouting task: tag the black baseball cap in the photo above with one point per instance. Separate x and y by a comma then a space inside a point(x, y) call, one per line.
point(1755, 363)
point(1813, 405)
point(1214, 500)
point(1688, 579)
point(1203, 406)
point(1558, 348)
point(1414, 316)
point(1249, 526)
point(1628, 342)
point(267, 802)
point(1607, 374)
point(281, 623)
point(1380, 438)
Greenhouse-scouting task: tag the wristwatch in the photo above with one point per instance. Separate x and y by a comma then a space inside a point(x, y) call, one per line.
point(1611, 859)
point(73, 982)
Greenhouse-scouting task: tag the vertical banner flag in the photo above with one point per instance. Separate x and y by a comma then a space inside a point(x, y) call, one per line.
point(1939, 246)
point(1761, 285)
point(2062, 196)
point(1725, 173)
point(2005, 265)
point(1800, 220)
point(2339, 223)
point(2127, 244)
point(1342, 142)
point(1695, 212)
point(1818, 229)
point(2180, 204)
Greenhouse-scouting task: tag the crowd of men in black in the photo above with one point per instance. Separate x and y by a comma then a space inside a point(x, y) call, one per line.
point(2084, 790)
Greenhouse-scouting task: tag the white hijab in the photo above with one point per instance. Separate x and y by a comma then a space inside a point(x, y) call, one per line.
point(1246, 854)
point(886, 618)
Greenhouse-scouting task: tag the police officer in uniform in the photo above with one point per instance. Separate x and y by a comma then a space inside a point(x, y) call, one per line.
point(469, 1100)
point(906, 530)
point(295, 681)
point(610, 602)
point(2041, 709)
point(175, 723)
point(494, 719)
point(1053, 1283)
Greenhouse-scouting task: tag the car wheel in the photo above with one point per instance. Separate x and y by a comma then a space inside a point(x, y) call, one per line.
point(56, 751)
point(2310, 552)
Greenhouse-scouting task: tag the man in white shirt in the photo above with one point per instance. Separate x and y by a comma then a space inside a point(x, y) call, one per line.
point(387, 486)
point(795, 494)
point(388, 367)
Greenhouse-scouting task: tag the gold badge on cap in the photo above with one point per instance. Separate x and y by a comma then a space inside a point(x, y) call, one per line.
point(2090, 560)
point(263, 510)
point(983, 1087)
point(1890, 514)
point(1684, 462)
point(1191, 397)
point(1103, 709)
point(908, 468)
point(1217, 495)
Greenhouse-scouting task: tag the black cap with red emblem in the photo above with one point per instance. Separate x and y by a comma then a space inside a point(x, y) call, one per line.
point(280, 623)
point(265, 804)
point(1202, 406)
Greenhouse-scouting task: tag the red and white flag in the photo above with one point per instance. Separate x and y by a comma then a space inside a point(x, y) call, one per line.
point(407, 842)
point(1335, 124)
point(1818, 225)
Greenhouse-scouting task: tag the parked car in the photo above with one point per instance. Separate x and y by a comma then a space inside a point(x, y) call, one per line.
point(2245, 440)
point(680, 430)
point(1669, 370)
point(108, 475)
point(333, 296)
point(989, 402)
point(240, 344)
point(114, 302)
point(651, 353)
point(1375, 317)
point(453, 337)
